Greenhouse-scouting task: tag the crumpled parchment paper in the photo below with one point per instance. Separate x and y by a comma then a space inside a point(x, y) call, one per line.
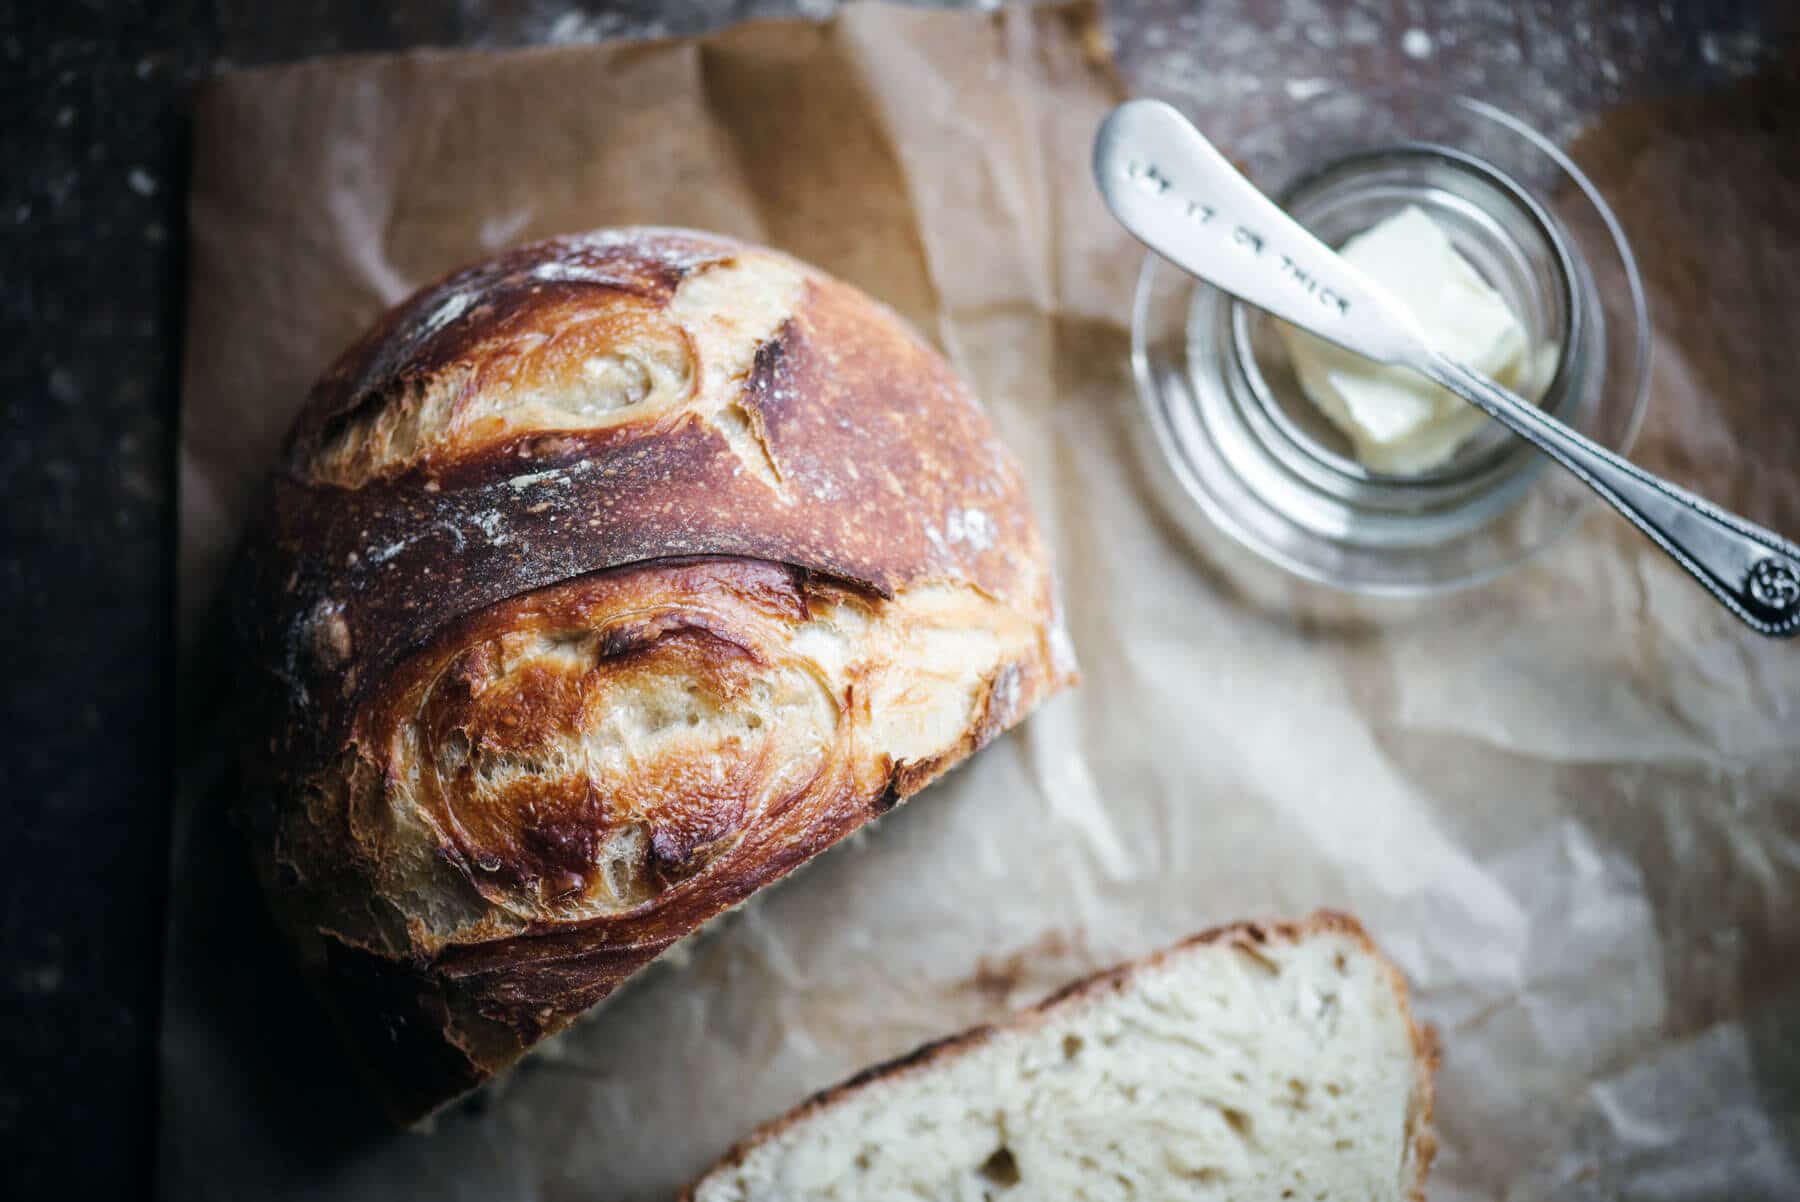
point(1568, 803)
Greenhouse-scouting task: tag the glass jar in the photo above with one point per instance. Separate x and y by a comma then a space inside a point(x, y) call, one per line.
point(1237, 444)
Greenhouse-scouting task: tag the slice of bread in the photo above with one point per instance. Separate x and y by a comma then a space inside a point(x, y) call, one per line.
point(1249, 1062)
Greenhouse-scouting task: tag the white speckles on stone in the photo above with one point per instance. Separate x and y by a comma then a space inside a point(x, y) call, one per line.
point(569, 28)
point(1306, 89)
point(44, 978)
point(1360, 29)
point(578, 28)
point(64, 388)
point(141, 181)
point(383, 554)
point(1416, 43)
point(1736, 52)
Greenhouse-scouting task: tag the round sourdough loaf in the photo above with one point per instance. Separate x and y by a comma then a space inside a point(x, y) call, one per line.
point(599, 586)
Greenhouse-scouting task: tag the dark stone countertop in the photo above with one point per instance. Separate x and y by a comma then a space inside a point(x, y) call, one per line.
point(93, 134)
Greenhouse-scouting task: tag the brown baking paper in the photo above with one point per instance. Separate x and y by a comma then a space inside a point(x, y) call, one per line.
point(1568, 803)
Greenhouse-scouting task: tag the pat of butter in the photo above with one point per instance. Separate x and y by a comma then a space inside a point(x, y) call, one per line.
point(1398, 421)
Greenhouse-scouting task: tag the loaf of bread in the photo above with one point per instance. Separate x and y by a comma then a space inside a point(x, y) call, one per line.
point(1248, 1064)
point(599, 586)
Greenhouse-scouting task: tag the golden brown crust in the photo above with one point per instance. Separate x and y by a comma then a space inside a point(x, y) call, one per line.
point(891, 475)
point(599, 586)
point(1421, 1140)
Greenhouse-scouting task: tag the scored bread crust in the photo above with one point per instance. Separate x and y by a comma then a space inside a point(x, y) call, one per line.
point(600, 585)
point(1421, 1140)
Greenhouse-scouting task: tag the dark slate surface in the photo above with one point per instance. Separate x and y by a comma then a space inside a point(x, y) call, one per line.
point(92, 136)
